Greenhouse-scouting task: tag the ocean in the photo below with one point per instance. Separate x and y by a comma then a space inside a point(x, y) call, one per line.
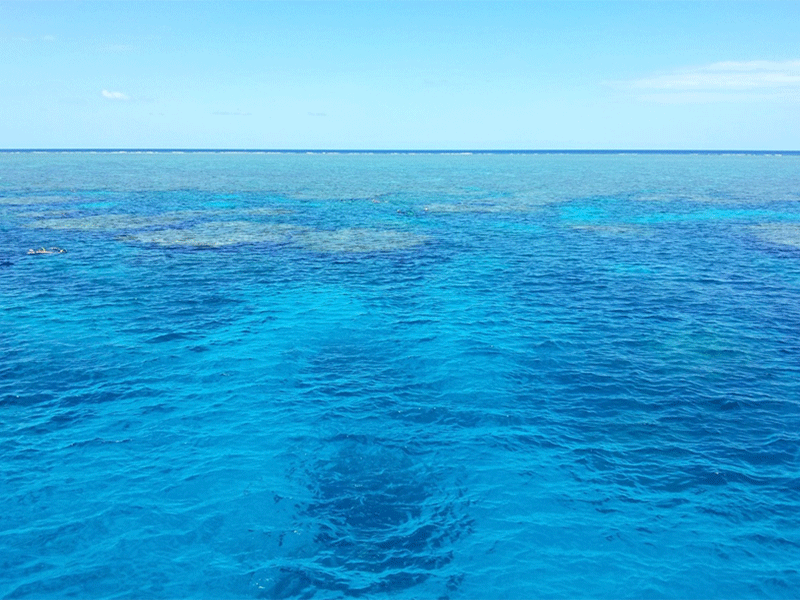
point(399, 375)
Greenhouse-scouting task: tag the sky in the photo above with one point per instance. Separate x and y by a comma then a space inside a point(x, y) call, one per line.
point(401, 75)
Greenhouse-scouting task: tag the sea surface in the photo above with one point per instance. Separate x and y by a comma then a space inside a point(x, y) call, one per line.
point(399, 375)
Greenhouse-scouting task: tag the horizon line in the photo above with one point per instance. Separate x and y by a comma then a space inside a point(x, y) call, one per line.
point(408, 151)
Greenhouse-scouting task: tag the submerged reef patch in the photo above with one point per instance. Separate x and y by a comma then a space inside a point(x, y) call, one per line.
point(111, 222)
point(783, 234)
point(447, 208)
point(608, 229)
point(36, 200)
point(359, 240)
point(215, 234)
point(187, 228)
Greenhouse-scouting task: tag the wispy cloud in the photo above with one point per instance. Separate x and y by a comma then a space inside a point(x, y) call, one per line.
point(114, 95)
point(118, 48)
point(749, 75)
point(31, 40)
point(730, 80)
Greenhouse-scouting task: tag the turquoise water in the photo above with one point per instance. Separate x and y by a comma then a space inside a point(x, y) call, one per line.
point(292, 375)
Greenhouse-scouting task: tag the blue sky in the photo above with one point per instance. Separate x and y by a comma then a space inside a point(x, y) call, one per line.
point(404, 75)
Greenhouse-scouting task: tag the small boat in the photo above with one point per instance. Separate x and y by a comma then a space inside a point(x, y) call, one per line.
point(43, 250)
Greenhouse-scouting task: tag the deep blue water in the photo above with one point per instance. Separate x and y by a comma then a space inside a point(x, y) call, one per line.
point(455, 376)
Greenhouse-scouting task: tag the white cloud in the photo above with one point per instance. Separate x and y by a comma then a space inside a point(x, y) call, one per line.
point(114, 95)
point(117, 48)
point(749, 75)
point(235, 113)
point(723, 81)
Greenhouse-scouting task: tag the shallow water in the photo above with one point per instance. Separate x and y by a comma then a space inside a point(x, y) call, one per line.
point(321, 375)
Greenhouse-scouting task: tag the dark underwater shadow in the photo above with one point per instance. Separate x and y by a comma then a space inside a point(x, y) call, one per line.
point(378, 521)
